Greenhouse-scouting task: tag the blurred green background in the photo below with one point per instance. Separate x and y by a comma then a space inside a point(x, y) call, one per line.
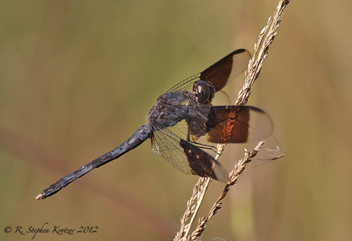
point(77, 78)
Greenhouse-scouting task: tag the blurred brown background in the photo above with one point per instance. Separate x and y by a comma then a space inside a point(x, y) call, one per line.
point(77, 78)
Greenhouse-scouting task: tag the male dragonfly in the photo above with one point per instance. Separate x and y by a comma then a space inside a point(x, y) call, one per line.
point(184, 114)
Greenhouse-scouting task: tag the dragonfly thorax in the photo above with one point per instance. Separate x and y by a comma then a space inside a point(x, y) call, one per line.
point(170, 109)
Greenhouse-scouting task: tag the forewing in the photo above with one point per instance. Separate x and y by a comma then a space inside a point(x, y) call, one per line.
point(238, 124)
point(220, 73)
point(226, 69)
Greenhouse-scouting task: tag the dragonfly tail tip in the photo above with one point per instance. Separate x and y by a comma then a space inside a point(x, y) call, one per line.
point(39, 196)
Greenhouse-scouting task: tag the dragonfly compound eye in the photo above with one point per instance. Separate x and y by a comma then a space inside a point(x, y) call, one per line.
point(204, 91)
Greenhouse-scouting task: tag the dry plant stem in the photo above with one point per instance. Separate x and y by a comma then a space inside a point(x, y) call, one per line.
point(193, 205)
point(200, 198)
point(234, 174)
point(198, 201)
point(192, 208)
point(261, 48)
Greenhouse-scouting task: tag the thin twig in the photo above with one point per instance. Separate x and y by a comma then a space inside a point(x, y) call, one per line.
point(192, 207)
point(261, 48)
point(234, 174)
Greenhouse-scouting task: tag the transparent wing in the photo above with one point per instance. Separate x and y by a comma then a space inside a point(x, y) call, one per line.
point(185, 156)
point(167, 144)
point(185, 84)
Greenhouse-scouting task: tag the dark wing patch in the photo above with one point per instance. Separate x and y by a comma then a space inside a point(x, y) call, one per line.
point(202, 164)
point(238, 124)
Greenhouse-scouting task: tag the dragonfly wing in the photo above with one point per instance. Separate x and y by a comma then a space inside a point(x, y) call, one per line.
point(186, 157)
point(238, 124)
point(226, 69)
point(220, 73)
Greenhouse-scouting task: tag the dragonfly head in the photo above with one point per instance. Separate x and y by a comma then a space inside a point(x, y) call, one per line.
point(204, 91)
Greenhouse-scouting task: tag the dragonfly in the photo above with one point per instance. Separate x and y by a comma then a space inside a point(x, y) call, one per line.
point(182, 117)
